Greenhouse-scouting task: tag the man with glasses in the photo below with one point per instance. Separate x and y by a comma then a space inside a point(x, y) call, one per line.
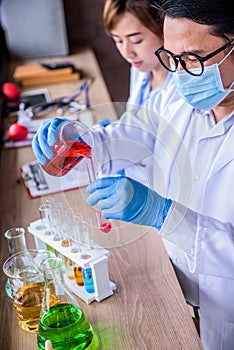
point(199, 50)
point(191, 139)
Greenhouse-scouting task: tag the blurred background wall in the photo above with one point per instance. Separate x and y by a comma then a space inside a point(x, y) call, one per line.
point(53, 27)
point(84, 28)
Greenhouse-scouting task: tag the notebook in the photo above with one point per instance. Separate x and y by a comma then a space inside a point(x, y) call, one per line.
point(39, 183)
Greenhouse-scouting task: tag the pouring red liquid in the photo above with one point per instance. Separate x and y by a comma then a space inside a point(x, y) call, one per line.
point(67, 156)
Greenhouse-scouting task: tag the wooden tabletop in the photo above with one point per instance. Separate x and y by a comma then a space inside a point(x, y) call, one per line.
point(148, 310)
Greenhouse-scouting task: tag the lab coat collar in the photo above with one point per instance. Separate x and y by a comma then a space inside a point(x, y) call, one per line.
point(179, 113)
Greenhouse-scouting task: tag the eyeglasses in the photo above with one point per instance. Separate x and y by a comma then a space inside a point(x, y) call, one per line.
point(188, 60)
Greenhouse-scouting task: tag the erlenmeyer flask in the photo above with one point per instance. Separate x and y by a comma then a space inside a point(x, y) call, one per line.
point(62, 321)
point(70, 148)
point(16, 244)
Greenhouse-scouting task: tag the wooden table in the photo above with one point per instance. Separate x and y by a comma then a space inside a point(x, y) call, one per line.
point(148, 310)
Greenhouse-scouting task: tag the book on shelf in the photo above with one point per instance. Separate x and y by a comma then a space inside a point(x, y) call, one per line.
point(35, 74)
point(50, 80)
point(35, 70)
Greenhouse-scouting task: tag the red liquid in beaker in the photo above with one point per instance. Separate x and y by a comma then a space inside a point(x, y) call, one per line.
point(66, 156)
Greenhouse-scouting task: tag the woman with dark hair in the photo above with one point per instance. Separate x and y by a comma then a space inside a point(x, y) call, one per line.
point(137, 30)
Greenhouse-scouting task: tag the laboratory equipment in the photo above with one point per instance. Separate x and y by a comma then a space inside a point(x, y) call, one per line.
point(61, 321)
point(104, 225)
point(16, 243)
point(27, 285)
point(96, 259)
point(69, 149)
point(45, 215)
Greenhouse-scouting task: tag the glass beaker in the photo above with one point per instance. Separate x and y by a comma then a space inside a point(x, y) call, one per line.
point(62, 321)
point(69, 150)
point(27, 285)
point(16, 243)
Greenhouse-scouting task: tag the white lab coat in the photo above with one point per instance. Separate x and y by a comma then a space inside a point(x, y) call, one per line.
point(139, 94)
point(201, 249)
point(194, 166)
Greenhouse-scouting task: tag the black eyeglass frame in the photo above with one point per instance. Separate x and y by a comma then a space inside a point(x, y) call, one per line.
point(178, 58)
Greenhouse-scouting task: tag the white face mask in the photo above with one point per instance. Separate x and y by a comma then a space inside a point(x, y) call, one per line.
point(204, 91)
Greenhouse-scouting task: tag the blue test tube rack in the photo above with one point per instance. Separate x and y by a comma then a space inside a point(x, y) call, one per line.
point(97, 260)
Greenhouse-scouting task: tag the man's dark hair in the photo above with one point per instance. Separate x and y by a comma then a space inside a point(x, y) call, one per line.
point(218, 14)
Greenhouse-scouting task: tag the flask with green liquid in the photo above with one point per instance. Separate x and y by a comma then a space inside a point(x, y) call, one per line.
point(62, 321)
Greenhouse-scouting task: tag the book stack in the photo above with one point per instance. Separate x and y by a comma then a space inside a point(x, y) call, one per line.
point(35, 74)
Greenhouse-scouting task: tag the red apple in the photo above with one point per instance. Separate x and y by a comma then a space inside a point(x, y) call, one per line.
point(17, 132)
point(10, 91)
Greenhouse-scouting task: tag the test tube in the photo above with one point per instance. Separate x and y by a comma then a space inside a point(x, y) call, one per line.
point(89, 243)
point(55, 224)
point(51, 201)
point(88, 280)
point(77, 247)
point(88, 234)
point(104, 225)
point(45, 216)
point(76, 229)
point(63, 228)
point(59, 207)
point(69, 217)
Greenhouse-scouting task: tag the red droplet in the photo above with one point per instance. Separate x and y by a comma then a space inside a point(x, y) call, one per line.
point(106, 227)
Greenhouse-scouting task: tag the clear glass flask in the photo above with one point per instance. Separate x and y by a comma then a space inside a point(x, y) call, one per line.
point(16, 244)
point(26, 281)
point(62, 321)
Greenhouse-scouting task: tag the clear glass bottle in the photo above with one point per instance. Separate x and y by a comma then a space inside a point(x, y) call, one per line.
point(62, 321)
point(16, 244)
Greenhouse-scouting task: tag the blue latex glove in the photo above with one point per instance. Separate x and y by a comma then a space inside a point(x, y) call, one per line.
point(104, 122)
point(125, 199)
point(45, 138)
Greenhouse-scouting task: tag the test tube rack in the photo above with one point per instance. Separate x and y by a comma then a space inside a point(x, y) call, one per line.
point(96, 259)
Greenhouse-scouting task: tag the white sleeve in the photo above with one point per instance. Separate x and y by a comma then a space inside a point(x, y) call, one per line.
point(126, 141)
